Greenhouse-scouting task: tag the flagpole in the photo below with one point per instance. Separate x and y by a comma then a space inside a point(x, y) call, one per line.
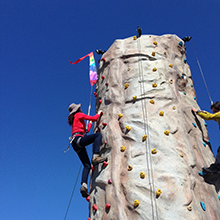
point(89, 106)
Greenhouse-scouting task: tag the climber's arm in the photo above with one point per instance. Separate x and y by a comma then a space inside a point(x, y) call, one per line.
point(208, 116)
point(89, 127)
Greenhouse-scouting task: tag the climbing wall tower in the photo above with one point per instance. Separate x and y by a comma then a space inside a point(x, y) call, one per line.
point(154, 144)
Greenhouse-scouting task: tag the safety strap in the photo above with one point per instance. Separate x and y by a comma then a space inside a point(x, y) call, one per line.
point(70, 142)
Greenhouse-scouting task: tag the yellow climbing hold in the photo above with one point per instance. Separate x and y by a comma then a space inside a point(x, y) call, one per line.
point(128, 128)
point(134, 38)
point(128, 69)
point(126, 85)
point(144, 138)
point(130, 167)
point(181, 154)
point(142, 175)
point(154, 69)
point(153, 53)
point(166, 132)
point(174, 107)
point(152, 101)
point(155, 42)
point(189, 208)
point(171, 81)
point(154, 151)
point(122, 148)
point(158, 192)
point(134, 97)
point(136, 203)
point(154, 85)
point(120, 115)
point(161, 113)
point(171, 65)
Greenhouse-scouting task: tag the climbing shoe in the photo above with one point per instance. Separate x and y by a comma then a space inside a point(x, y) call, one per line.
point(98, 160)
point(84, 191)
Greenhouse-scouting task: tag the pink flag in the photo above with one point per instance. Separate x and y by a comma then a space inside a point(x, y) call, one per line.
point(92, 67)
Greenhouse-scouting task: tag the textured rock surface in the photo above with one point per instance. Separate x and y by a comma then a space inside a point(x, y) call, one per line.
point(144, 64)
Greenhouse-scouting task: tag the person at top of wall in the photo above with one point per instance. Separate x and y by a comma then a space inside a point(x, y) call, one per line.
point(215, 167)
point(80, 141)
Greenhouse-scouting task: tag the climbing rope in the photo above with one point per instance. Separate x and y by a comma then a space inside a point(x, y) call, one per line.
point(73, 191)
point(145, 118)
point(202, 74)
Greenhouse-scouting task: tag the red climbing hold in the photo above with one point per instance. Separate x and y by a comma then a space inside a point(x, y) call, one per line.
point(106, 84)
point(109, 181)
point(107, 206)
point(103, 59)
point(98, 61)
point(100, 101)
point(89, 218)
point(105, 164)
point(103, 77)
point(94, 207)
point(88, 198)
point(104, 124)
point(95, 94)
point(93, 168)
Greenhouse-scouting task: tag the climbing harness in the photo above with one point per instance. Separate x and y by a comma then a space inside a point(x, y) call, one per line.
point(72, 139)
point(73, 191)
point(202, 74)
point(144, 110)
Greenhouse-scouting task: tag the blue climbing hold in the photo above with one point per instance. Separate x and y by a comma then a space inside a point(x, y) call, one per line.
point(208, 141)
point(202, 205)
point(184, 93)
point(194, 125)
point(205, 124)
point(218, 197)
point(181, 43)
point(202, 173)
point(204, 144)
point(194, 98)
point(191, 85)
point(185, 60)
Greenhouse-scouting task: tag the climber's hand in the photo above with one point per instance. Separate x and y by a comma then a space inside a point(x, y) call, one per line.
point(100, 112)
point(194, 109)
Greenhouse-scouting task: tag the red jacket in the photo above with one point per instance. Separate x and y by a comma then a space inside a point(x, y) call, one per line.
point(79, 124)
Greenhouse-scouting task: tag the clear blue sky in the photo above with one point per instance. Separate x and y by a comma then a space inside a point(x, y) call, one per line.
point(37, 84)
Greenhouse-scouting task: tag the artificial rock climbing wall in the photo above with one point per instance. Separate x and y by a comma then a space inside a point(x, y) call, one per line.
point(154, 144)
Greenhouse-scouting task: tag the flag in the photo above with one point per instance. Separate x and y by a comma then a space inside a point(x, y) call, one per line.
point(92, 67)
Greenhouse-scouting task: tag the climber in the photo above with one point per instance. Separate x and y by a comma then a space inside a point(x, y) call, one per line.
point(187, 39)
point(139, 31)
point(80, 141)
point(215, 167)
point(100, 51)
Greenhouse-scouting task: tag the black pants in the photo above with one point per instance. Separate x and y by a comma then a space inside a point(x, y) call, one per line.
point(82, 153)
